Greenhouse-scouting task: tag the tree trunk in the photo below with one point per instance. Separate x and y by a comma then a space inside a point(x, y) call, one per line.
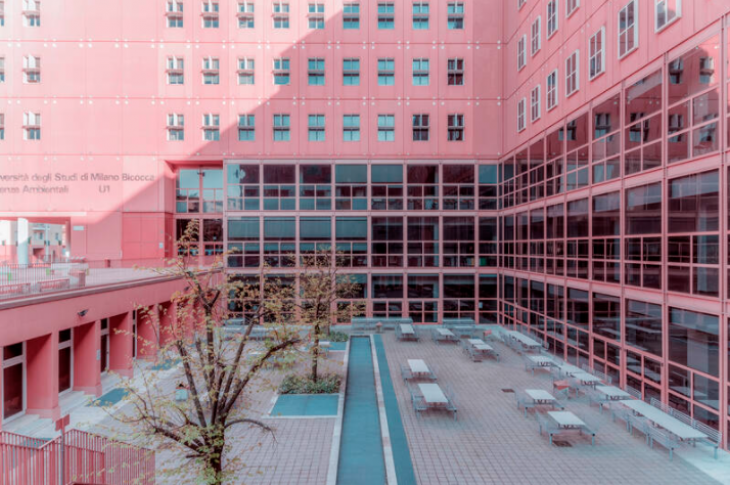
point(215, 466)
point(315, 354)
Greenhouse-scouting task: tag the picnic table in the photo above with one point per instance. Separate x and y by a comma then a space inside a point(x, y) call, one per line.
point(563, 421)
point(587, 379)
point(538, 397)
point(417, 369)
point(679, 429)
point(405, 331)
point(604, 395)
point(527, 343)
point(569, 370)
point(430, 396)
point(443, 335)
point(533, 362)
point(477, 349)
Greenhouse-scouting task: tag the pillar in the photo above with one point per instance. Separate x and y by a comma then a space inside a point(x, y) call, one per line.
point(42, 376)
point(23, 241)
point(148, 323)
point(167, 323)
point(86, 351)
point(121, 341)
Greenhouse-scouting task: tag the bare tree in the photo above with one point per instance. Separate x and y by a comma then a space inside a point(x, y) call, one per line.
point(215, 369)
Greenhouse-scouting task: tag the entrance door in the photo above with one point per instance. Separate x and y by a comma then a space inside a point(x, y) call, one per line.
point(13, 380)
point(65, 360)
point(104, 360)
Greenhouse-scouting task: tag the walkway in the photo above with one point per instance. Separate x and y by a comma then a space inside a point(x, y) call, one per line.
point(361, 450)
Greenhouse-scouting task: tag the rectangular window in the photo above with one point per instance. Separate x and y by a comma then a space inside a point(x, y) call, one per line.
point(667, 11)
point(281, 15)
point(521, 114)
point(420, 15)
point(2, 70)
point(628, 28)
point(316, 16)
point(386, 127)
point(246, 127)
point(535, 104)
point(175, 127)
point(210, 18)
point(351, 189)
point(597, 54)
point(386, 15)
point(536, 33)
point(420, 72)
point(175, 70)
point(351, 127)
point(316, 128)
point(174, 14)
point(282, 125)
point(2, 126)
point(572, 74)
point(246, 71)
point(246, 14)
point(386, 72)
point(351, 72)
point(420, 127)
point(455, 72)
point(571, 6)
point(351, 16)
point(281, 71)
point(211, 127)
point(521, 52)
point(315, 185)
point(211, 70)
point(552, 18)
point(455, 12)
point(31, 13)
point(456, 127)
point(31, 126)
point(316, 71)
point(31, 69)
point(551, 95)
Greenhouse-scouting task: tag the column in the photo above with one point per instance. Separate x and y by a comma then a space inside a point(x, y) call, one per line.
point(42, 376)
point(167, 323)
point(86, 351)
point(121, 341)
point(148, 324)
point(23, 241)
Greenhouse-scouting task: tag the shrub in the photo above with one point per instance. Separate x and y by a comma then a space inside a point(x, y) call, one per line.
point(334, 336)
point(297, 384)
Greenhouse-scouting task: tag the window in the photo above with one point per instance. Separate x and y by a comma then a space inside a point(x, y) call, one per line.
point(521, 114)
point(572, 77)
point(420, 72)
point(458, 187)
point(351, 189)
point(536, 39)
point(667, 11)
point(455, 11)
point(282, 125)
point(456, 127)
point(316, 128)
point(31, 13)
point(315, 186)
point(246, 14)
point(175, 127)
point(243, 191)
point(351, 235)
point(279, 245)
point(643, 217)
point(387, 241)
point(316, 71)
point(552, 17)
point(386, 72)
point(351, 16)
point(174, 14)
point(211, 127)
point(521, 3)
point(386, 127)
point(175, 70)
point(521, 54)
point(459, 236)
point(423, 293)
point(535, 104)
point(2, 126)
point(191, 183)
point(386, 15)
point(31, 126)
point(210, 14)
point(281, 15)
point(420, 127)
point(455, 72)
point(246, 127)
point(420, 15)
point(423, 194)
point(2, 70)
point(65, 358)
point(14, 375)
point(571, 6)
point(628, 29)
point(281, 71)
point(280, 187)
point(246, 71)
point(351, 128)
point(350, 72)
point(31, 69)
point(243, 242)
point(551, 97)
point(211, 70)
point(316, 16)
point(597, 54)
point(387, 187)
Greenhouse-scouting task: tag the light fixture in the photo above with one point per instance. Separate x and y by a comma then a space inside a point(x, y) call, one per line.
point(83, 313)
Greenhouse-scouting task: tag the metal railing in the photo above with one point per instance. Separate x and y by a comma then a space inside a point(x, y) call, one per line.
point(88, 458)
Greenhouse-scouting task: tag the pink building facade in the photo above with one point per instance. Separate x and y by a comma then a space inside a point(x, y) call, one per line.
point(500, 161)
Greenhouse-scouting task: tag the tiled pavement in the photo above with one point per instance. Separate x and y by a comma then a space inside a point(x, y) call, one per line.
point(493, 443)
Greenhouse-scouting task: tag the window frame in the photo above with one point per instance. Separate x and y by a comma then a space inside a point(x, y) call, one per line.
point(548, 92)
point(575, 73)
point(522, 52)
point(521, 115)
point(668, 21)
point(635, 25)
point(536, 36)
point(536, 103)
point(600, 54)
point(549, 20)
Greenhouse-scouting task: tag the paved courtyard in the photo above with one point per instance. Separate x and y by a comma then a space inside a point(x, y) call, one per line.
point(493, 443)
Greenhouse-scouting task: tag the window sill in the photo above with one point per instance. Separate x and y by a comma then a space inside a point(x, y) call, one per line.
point(628, 53)
point(667, 25)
